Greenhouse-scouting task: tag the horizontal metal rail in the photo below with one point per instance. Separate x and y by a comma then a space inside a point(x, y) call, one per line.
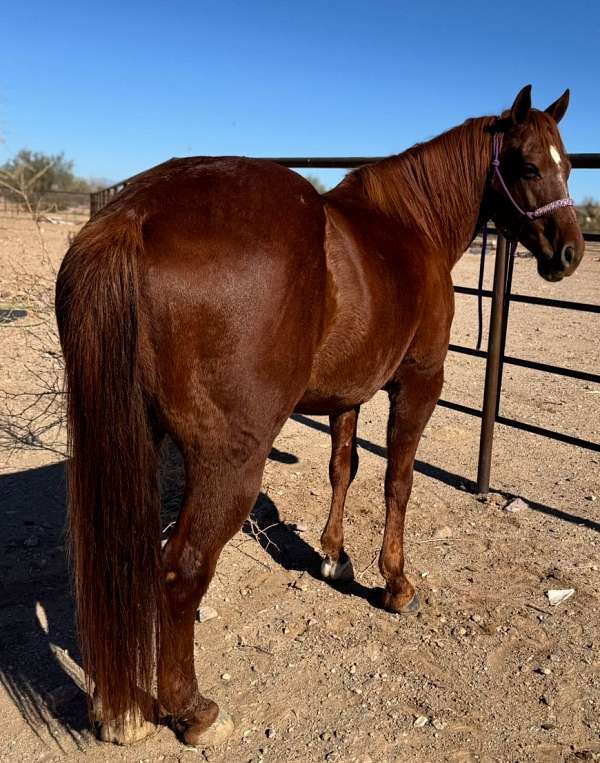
point(530, 299)
point(533, 364)
point(578, 161)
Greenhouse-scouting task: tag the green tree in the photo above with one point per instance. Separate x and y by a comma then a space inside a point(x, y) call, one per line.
point(36, 173)
point(588, 214)
point(316, 182)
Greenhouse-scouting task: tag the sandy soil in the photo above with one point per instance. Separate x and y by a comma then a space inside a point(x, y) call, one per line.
point(314, 673)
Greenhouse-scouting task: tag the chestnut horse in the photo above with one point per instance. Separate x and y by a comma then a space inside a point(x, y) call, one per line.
point(211, 299)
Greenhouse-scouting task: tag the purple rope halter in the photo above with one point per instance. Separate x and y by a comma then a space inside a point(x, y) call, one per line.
point(540, 211)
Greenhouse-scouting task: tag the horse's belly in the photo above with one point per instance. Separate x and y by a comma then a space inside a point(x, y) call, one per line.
point(342, 382)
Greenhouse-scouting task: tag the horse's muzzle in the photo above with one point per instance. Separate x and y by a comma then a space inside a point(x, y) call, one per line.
point(562, 263)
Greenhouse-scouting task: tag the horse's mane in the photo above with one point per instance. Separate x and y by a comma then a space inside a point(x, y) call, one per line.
point(432, 185)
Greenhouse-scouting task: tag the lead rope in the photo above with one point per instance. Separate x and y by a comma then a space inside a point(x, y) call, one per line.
point(480, 287)
point(512, 249)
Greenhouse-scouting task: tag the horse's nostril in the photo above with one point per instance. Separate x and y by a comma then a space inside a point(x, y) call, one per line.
point(567, 255)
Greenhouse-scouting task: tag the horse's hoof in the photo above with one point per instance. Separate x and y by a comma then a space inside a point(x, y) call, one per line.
point(125, 731)
point(128, 729)
point(216, 734)
point(341, 571)
point(411, 607)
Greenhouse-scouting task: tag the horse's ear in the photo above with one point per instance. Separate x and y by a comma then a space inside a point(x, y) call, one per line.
point(520, 108)
point(557, 109)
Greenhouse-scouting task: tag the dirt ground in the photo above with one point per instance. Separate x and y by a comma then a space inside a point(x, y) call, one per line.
point(309, 672)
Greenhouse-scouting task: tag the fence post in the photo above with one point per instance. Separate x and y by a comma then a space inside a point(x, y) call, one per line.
point(492, 368)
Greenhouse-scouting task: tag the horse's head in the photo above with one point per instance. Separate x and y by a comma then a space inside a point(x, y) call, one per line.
point(530, 174)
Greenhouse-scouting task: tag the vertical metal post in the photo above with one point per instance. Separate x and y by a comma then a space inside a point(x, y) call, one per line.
point(492, 368)
point(510, 265)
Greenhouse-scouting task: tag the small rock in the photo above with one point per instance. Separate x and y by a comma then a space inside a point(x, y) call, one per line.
point(425, 573)
point(443, 532)
point(325, 736)
point(476, 618)
point(516, 505)
point(420, 721)
point(437, 724)
point(301, 527)
point(543, 671)
point(206, 613)
point(270, 733)
point(226, 677)
point(352, 669)
point(558, 595)
point(315, 492)
point(591, 498)
point(548, 725)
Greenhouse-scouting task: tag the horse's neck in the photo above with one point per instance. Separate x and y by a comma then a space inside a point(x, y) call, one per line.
point(435, 187)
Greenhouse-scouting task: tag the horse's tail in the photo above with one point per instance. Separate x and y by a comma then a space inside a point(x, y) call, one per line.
point(112, 485)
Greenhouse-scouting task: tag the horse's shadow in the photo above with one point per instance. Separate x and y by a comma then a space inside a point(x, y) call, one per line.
point(37, 632)
point(284, 544)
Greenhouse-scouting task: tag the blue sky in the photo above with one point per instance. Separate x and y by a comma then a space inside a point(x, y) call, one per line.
point(122, 86)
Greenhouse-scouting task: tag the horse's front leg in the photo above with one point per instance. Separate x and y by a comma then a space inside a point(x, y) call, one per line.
point(413, 397)
point(342, 470)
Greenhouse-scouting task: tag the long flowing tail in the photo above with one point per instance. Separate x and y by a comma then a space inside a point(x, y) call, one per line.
point(112, 486)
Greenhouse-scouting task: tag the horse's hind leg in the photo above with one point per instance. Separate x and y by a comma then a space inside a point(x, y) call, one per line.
point(413, 397)
point(342, 470)
point(222, 484)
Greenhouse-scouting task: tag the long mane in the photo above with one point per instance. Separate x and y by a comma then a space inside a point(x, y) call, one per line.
point(433, 184)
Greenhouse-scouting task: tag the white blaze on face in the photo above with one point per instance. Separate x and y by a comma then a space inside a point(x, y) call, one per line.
point(555, 154)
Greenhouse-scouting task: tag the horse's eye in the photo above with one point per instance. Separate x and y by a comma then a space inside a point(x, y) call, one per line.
point(530, 171)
